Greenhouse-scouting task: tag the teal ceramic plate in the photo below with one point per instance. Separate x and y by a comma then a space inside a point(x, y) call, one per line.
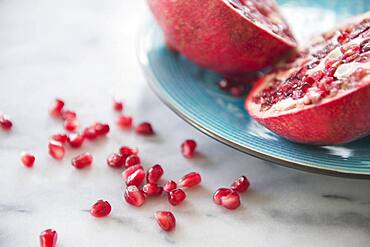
point(193, 94)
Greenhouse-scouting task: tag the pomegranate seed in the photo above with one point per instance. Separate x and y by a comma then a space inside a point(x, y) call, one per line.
point(5, 122)
point(241, 184)
point(124, 122)
point(126, 151)
point(101, 129)
point(75, 140)
point(190, 180)
point(154, 174)
point(134, 196)
point(82, 161)
point(188, 148)
point(56, 150)
point(166, 220)
point(136, 178)
point(27, 159)
point(132, 160)
point(343, 37)
point(101, 209)
point(117, 105)
point(227, 198)
point(71, 124)
point(175, 197)
point(62, 138)
point(152, 190)
point(48, 238)
point(169, 186)
point(69, 115)
point(115, 160)
point(89, 133)
point(126, 173)
point(144, 128)
point(56, 109)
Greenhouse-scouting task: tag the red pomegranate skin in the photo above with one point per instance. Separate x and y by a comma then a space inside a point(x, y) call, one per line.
point(338, 121)
point(215, 36)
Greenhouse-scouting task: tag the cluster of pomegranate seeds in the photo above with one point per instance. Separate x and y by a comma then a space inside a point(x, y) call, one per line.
point(188, 148)
point(101, 209)
point(82, 161)
point(166, 220)
point(27, 159)
point(229, 197)
point(56, 150)
point(117, 105)
point(144, 128)
point(124, 122)
point(48, 238)
point(189, 180)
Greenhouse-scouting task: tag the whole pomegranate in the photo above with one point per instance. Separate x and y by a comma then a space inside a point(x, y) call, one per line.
point(322, 96)
point(228, 36)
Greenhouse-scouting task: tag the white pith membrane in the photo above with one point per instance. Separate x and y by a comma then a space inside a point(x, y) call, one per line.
point(263, 13)
point(334, 65)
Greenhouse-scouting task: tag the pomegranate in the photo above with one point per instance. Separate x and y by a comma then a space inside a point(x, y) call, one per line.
point(228, 36)
point(322, 95)
point(27, 159)
point(101, 209)
point(166, 220)
point(48, 238)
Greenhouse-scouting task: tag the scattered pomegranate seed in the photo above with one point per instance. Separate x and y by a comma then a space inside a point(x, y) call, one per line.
point(132, 160)
point(126, 173)
point(56, 109)
point(56, 150)
point(175, 197)
point(154, 174)
point(117, 105)
point(241, 184)
point(124, 122)
point(75, 140)
point(69, 115)
point(48, 238)
point(144, 128)
point(71, 124)
point(82, 161)
point(190, 180)
point(134, 196)
point(62, 138)
point(101, 129)
point(169, 186)
point(166, 220)
point(89, 133)
point(152, 190)
point(126, 151)
point(188, 148)
point(27, 159)
point(227, 198)
point(136, 178)
point(5, 122)
point(101, 209)
point(115, 160)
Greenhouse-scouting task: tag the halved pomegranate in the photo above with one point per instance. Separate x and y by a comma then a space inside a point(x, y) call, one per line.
point(228, 36)
point(322, 96)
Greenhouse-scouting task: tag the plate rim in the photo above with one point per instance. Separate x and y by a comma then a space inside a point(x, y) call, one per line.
point(141, 54)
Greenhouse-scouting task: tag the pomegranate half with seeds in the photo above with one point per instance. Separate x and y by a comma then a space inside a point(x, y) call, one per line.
point(228, 36)
point(322, 96)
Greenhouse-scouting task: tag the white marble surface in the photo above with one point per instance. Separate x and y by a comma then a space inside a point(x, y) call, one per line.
point(84, 52)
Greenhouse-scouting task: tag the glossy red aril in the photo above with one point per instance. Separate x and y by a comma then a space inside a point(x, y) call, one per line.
point(56, 109)
point(129, 171)
point(132, 160)
point(188, 148)
point(124, 122)
point(227, 198)
point(117, 105)
point(169, 186)
point(221, 192)
point(115, 160)
point(177, 196)
point(154, 174)
point(5, 122)
point(144, 128)
point(48, 238)
point(82, 161)
point(101, 209)
point(89, 133)
point(241, 184)
point(190, 180)
point(101, 129)
point(56, 150)
point(126, 151)
point(166, 220)
point(71, 124)
point(75, 140)
point(69, 115)
point(134, 196)
point(27, 159)
point(62, 138)
point(136, 178)
point(152, 189)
